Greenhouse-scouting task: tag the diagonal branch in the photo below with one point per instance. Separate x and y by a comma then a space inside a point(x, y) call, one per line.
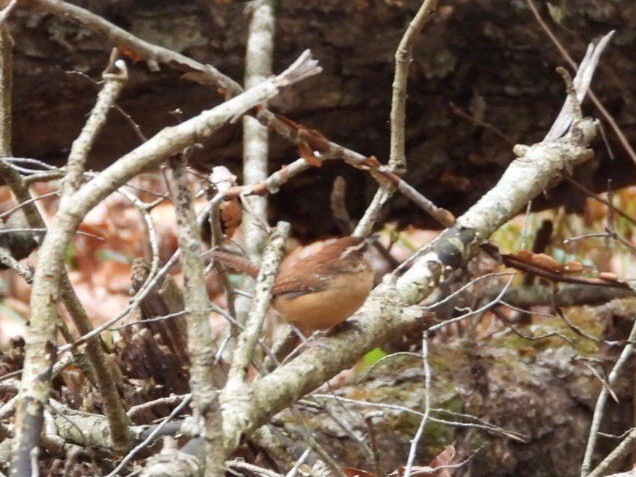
point(389, 310)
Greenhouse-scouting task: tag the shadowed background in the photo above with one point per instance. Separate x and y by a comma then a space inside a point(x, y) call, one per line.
point(489, 59)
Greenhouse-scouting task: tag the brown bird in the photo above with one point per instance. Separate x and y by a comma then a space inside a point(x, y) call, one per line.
point(321, 290)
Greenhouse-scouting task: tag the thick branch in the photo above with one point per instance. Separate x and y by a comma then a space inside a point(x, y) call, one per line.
point(205, 377)
point(386, 312)
point(258, 67)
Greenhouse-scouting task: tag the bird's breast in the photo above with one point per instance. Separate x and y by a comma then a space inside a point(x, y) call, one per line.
point(339, 298)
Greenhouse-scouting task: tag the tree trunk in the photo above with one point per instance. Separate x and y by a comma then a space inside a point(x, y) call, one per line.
point(489, 59)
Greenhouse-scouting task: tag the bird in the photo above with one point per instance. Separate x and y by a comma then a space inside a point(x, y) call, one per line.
point(321, 290)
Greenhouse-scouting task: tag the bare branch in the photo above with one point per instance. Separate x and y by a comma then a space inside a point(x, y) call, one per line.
point(258, 66)
point(581, 85)
point(119, 37)
point(403, 58)
point(115, 77)
point(427, 407)
point(599, 408)
point(205, 378)
point(617, 454)
point(397, 157)
point(235, 388)
point(259, 59)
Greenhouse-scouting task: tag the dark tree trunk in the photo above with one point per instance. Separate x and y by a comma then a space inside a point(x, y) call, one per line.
point(488, 58)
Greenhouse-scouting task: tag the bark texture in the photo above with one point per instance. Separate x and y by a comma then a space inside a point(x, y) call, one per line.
point(490, 59)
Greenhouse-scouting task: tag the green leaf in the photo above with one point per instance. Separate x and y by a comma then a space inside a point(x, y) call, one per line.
point(374, 356)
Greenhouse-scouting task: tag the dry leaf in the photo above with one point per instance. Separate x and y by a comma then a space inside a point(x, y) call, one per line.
point(308, 155)
point(133, 55)
point(231, 215)
point(612, 277)
point(573, 267)
point(456, 182)
point(443, 459)
point(353, 472)
point(546, 261)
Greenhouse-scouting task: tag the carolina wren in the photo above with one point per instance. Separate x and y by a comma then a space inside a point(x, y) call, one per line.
point(323, 289)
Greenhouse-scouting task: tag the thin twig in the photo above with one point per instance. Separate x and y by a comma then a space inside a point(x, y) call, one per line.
point(597, 102)
point(619, 452)
point(397, 157)
point(598, 199)
point(241, 465)
point(248, 339)
point(164, 401)
point(337, 200)
point(403, 59)
point(153, 238)
point(150, 437)
point(599, 408)
point(395, 407)
point(6, 84)
point(427, 407)
point(127, 117)
point(372, 214)
point(115, 77)
point(301, 460)
point(6, 11)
